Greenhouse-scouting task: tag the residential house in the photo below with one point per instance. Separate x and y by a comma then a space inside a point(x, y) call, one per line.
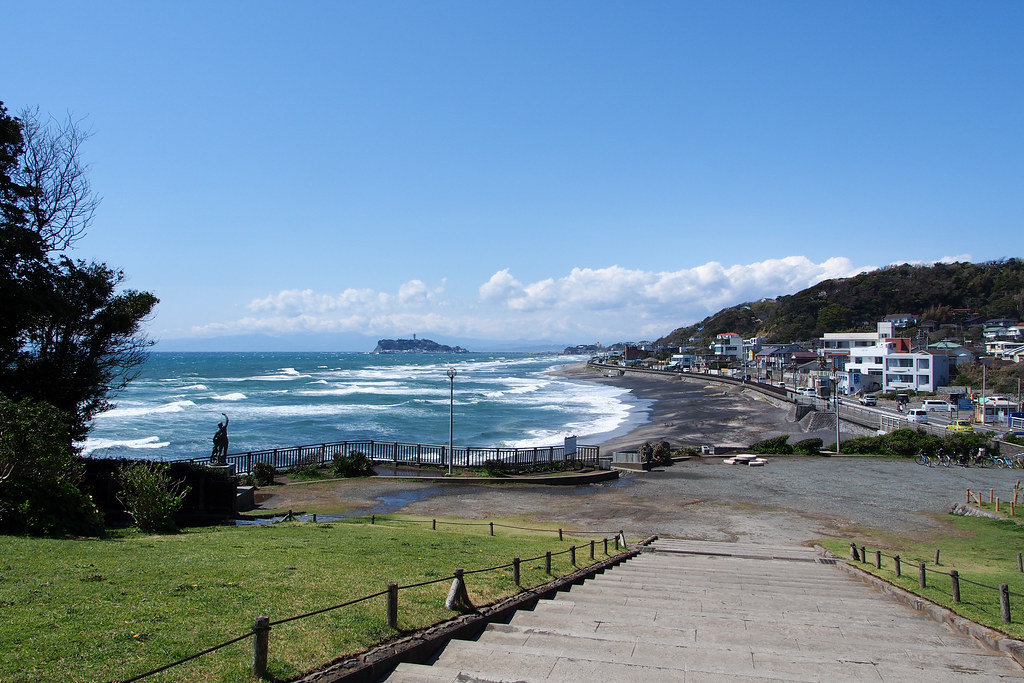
point(889, 368)
point(728, 344)
point(956, 352)
point(901, 319)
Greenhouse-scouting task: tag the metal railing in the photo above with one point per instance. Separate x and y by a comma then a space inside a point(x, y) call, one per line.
point(411, 455)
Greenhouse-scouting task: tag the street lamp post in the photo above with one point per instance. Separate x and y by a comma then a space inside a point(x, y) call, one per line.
point(451, 416)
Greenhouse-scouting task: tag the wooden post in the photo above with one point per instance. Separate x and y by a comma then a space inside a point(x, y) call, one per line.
point(863, 555)
point(1013, 504)
point(991, 495)
point(314, 518)
point(616, 544)
point(997, 503)
point(492, 528)
point(878, 559)
point(559, 534)
point(592, 551)
point(393, 605)
point(1020, 563)
point(572, 555)
point(896, 560)
point(979, 498)
point(1004, 602)
point(968, 496)
point(547, 562)
point(954, 578)
point(606, 546)
point(922, 579)
point(433, 524)
point(854, 555)
point(373, 519)
point(515, 570)
point(260, 646)
point(936, 556)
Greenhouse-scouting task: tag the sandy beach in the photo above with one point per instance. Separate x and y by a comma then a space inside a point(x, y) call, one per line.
point(794, 500)
point(694, 412)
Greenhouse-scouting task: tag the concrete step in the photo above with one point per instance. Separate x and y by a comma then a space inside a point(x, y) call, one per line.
point(694, 611)
point(532, 663)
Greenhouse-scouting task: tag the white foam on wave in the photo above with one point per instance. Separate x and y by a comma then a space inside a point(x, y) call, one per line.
point(236, 396)
point(279, 375)
point(194, 387)
point(148, 443)
point(381, 389)
point(138, 410)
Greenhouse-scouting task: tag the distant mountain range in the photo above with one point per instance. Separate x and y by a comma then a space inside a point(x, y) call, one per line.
point(962, 293)
point(415, 346)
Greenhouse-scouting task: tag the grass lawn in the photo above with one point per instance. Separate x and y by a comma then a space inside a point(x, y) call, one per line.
point(108, 609)
point(982, 551)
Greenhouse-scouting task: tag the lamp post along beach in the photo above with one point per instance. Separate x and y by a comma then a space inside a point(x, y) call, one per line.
point(451, 416)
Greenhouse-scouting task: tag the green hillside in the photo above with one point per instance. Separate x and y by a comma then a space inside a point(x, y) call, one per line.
point(946, 293)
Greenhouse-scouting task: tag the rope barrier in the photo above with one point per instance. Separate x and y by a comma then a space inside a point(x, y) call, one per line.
point(328, 609)
point(188, 659)
point(378, 594)
point(954, 576)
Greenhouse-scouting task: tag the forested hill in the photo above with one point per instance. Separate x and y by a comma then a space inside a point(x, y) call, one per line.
point(945, 293)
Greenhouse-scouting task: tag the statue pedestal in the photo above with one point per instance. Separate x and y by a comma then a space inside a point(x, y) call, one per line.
point(228, 470)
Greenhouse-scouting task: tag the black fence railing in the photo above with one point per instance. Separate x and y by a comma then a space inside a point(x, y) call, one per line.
point(413, 455)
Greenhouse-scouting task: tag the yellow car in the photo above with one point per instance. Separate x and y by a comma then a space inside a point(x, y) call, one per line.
point(960, 426)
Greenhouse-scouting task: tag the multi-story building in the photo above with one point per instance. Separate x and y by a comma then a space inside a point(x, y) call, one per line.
point(887, 367)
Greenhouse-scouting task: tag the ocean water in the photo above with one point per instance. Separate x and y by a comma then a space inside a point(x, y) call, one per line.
point(276, 400)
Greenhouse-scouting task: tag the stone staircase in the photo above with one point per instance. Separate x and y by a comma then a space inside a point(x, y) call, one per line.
point(698, 611)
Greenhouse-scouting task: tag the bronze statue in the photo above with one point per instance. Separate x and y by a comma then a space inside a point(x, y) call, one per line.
point(220, 443)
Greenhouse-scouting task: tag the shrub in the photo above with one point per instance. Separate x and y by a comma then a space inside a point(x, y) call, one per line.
point(778, 445)
point(662, 453)
point(263, 473)
point(494, 468)
point(354, 464)
point(39, 493)
point(149, 495)
point(808, 446)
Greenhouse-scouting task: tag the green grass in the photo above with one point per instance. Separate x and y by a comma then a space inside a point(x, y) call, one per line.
point(981, 550)
point(89, 610)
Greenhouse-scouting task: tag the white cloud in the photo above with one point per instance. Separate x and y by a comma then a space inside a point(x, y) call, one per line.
point(609, 304)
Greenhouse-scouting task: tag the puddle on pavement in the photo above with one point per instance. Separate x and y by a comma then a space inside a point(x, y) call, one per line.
point(386, 504)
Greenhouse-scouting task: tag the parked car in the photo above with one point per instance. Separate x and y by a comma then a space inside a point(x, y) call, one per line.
point(960, 426)
point(809, 391)
point(917, 415)
point(932, 404)
point(869, 400)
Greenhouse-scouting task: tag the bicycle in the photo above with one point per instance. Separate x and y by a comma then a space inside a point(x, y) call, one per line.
point(982, 460)
point(923, 459)
point(943, 458)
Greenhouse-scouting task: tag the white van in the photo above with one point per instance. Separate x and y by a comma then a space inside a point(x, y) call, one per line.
point(933, 404)
point(917, 415)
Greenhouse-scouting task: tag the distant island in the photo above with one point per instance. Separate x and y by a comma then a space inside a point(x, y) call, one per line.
point(415, 346)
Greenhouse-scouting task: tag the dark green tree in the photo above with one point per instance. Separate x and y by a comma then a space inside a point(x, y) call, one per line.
point(68, 335)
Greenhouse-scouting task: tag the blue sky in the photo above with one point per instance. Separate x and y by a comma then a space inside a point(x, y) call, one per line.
point(326, 173)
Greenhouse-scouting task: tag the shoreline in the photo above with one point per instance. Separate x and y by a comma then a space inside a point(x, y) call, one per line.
point(693, 413)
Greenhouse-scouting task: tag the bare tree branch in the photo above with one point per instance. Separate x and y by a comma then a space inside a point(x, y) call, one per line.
point(63, 204)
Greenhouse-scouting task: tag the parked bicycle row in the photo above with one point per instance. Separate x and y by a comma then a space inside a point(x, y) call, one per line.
point(976, 458)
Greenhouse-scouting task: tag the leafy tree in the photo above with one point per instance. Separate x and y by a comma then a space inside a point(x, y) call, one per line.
point(68, 336)
point(39, 492)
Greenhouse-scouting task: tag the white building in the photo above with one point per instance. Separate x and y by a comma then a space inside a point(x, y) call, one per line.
point(728, 344)
point(837, 346)
point(884, 367)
